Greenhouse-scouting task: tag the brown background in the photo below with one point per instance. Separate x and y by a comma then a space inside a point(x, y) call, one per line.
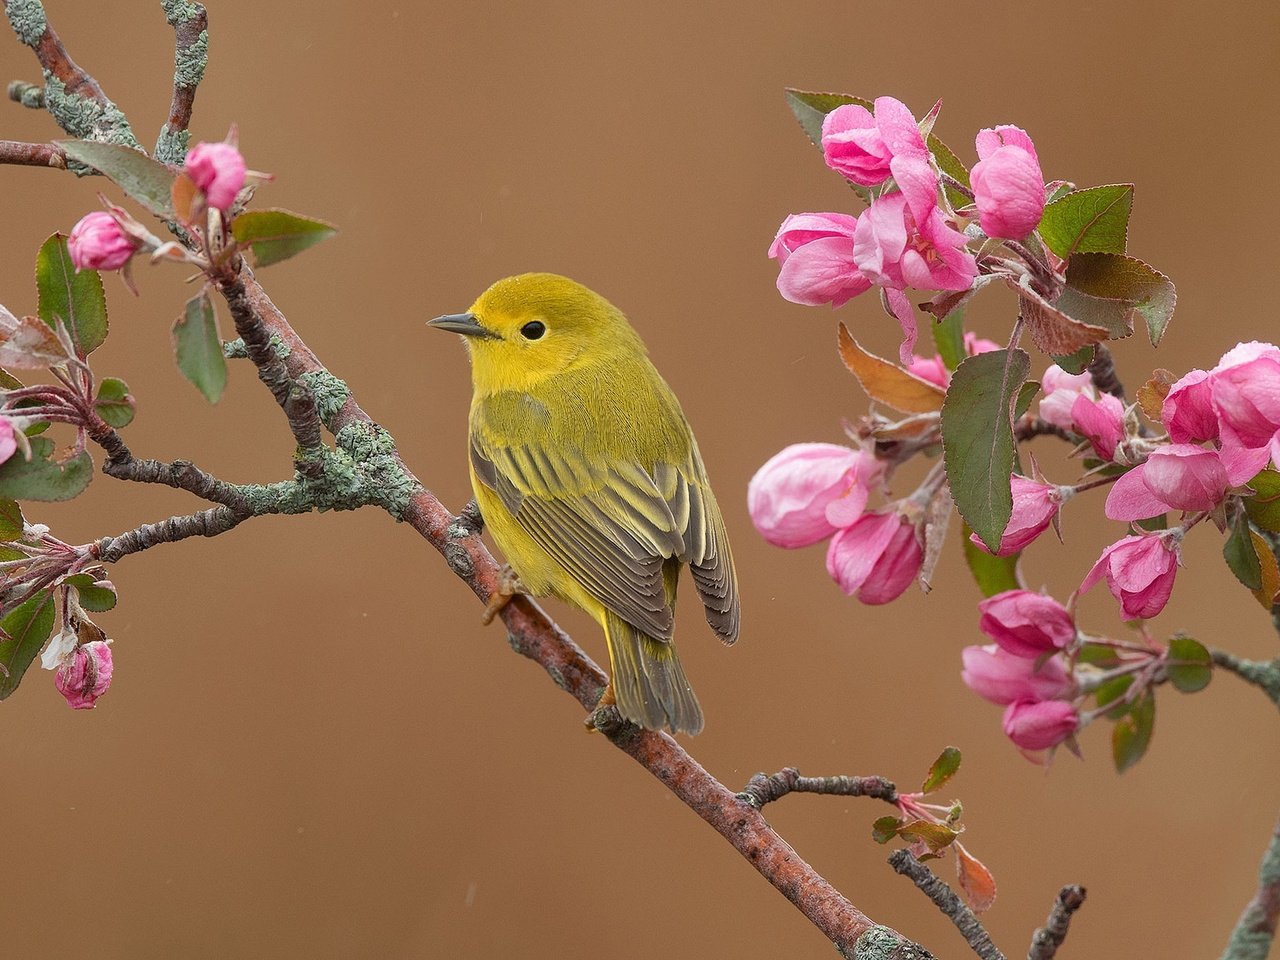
point(312, 747)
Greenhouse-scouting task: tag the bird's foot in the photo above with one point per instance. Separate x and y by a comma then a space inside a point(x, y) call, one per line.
point(607, 699)
point(509, 585)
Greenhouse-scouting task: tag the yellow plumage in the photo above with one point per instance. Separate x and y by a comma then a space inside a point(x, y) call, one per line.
point(590, 482)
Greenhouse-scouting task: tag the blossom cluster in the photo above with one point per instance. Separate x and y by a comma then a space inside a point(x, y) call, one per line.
point(910, 236)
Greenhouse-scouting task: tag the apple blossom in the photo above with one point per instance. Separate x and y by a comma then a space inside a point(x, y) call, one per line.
point(1007, 184)
point(1140, 571)
point(1038, 725)
point(815, 257)
point(861, 145)
point(1035, 504)
point(8, 439)
point(1026, 624)
point(1099, 421)
point(98, 242)
point(876, 558)
point(1187, 413)
point(218, 170)
point(808, 491)
point(999, 676)
point(85, 675)
point(1060, 392)
point(1180, 476)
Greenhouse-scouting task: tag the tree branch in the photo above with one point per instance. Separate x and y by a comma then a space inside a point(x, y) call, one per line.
point(761, 789)
point(1256, 929)
point(206, 523)
point(1263, 674)
point(946, 900)
point(1047, 939)
point(32, 154)
point(190, 25)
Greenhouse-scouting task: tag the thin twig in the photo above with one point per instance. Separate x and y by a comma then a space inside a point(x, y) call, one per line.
point(1256, 929)
point(190, 25)
point(33, 154)
point(1263, 674)
point(1047, 939)
point(946, 900)
point(1029, 427)
point(206, 523)
point(1103, 370)
point(762, 789)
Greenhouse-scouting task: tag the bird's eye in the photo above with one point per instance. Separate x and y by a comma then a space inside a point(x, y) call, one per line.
point(533, 330)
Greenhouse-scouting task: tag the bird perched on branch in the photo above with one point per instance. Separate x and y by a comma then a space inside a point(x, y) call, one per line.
point(589, 479)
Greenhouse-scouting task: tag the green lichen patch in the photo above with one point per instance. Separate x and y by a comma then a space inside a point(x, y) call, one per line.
point(27, 19)
point(330, 393)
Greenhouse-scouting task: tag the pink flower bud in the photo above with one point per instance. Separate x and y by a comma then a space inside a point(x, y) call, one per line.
point(876, 558)
point(1002, 677)
point(1026, 624)
point(1247, 400)
point(1140, 571)
point(8, 439)
point(1035, 505)
point(85, 676)
point(218, 170)
point(1099, 421)
point(815, 255)
point(97, 242)
point(1007, 184)
point(860, 145)
point(1188, 412)
point(1034, 725)
point(1060, 392)
point(808, 491)
point(1181, 476)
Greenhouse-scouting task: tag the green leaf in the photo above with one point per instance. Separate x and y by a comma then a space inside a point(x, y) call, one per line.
point(96, 596)
point(935, 835)
point(949, 164)
point(943, 769)
point(885, 829)
point(41, 478)
point(25, 628)
point(811, 109)
point(1190, 668)
point(1239, 553)
point(977, 438)
point(147, 181)
point(1093, 220)
point(948, 336)
point(1110, 692)
point(1076, 363)
point(1026, 393)
point(1264, 508)
point(10, 520)
point(1097, 654)
point(1132, 733)
point(276, 235)
point(8, 381)
point(992, 574)
point(114, 403)
point(1096, 282)
point(76, 298)
point(198, 347)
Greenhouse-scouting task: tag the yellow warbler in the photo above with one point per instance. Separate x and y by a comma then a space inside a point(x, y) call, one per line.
point(589, 479)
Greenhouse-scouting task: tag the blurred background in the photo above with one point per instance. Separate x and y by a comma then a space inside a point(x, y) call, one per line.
point(313, 748)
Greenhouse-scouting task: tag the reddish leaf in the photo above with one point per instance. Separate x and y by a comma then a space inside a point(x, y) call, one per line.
point(887, 382)
point(976, 881)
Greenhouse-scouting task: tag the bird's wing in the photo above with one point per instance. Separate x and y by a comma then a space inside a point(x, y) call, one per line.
point(612, 527)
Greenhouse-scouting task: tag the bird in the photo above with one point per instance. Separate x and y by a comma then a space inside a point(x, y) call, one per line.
point(587, 476)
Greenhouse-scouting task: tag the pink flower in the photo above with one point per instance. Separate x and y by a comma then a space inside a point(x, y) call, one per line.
point(935, 370)
point(1099, 421)
point(876, 558)
point(1034, 725)
point(1181, 476)
point(97, 242)
point(8, 439)
point(85, 676)
point(1060, 392)
point(218, 170)
point(815, 255)
point(1140, 571)
point(1035, 505)
point(1188, 413)
point(1026, 624)
point(1246, 397)
point(1007, 183)
point(1002, 677)
point(901, 242)
point(861, 145)
point(808, 491)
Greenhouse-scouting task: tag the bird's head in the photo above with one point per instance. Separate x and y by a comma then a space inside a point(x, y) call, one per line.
point(527, 328)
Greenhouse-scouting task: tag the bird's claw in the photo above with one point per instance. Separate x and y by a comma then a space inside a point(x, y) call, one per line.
point(509, 585)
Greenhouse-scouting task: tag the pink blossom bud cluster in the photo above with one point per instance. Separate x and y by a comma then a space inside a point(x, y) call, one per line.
point(810, 492)
point(909, 236)
point(1025, 669)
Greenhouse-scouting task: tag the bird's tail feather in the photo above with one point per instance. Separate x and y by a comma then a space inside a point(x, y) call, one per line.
point(648, 682)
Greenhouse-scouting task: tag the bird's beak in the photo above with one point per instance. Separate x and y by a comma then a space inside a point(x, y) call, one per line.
point(463, 323)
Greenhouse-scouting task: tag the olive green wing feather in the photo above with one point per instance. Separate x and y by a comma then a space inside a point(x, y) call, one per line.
point(613, 526)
